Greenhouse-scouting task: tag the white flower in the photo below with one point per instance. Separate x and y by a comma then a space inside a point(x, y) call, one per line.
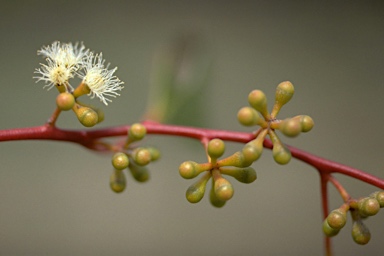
point(65, 54)
point(99, 79)
point(63, 61)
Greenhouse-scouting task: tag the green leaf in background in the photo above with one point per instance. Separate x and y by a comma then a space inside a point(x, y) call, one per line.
point(180, 77)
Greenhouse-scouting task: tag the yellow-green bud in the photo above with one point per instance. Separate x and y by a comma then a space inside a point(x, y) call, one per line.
point(155, 153)
point(190, 169)
point(281, 154)
point(284, 93)
point(120, 161)
point(306, 123)
point(196, 191)
point(87, 116)
point(368, 206)
point(65, 101)
point(117, 181)
point(214, 200)
point(251, 153)
point(245, 175)
point(223, 188)
point(248, 116)
point(137, 132)
point(290, 127)
point(216, 148)
point(236, 159)
point(258, 101)
point(139, 173)
point(142, 156)
point(379, 195)
point(329, 231)
point(337, 219)
point(360, 233)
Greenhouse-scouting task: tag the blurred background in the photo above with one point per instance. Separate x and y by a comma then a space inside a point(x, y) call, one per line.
point(55, 196)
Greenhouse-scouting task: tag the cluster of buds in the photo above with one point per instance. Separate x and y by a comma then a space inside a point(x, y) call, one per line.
point(258, 114)
point(134, 159)
point(66, 61)
point(360, 210)
point(222, 189)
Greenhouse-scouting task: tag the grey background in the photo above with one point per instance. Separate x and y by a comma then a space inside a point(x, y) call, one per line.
point(55, 198)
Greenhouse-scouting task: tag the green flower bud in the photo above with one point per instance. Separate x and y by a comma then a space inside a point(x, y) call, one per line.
point(155, 153)
point(290, 127)
point(196, 191)
point(284, 93)
point(248, 116)
point(117, 181)
point(368, 206)
point(306, 123)
point(258, 101)
point(337, 219)
point(137, 132)
point(216, 148)
point(244, 175)
point(237, 159)
point(360, 233)
point(65, 101)
point(328, 230)
point(120, 161)
point(87, 116)
point(216, 202)
point(142, 156)
point(190, 169)
point(251, 153)
point(139, 173)
point(223, 188)
point(281, 154)
point(379, 196)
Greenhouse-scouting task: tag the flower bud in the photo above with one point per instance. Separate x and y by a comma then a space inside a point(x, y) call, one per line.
point(139, 173)
point(258, 101)
point(337, 219)
point(87, 116)
point(290, 127)
point(368, 206)
point(329, 231)
point(284, 93)
point(379, 196)
point(248, 116)
point(117, 181)
point(236, 159)
point(190, 169)
point(142, 156)
point(244, 175)
point(222, 187)
point(155, 153)
point(120, 161)
point(281, 154)
point(360, 233)
point(137, 132)
point(196, 191)
point(216, 202)
point(65, 101)
point(216, 148)
point(306, 123)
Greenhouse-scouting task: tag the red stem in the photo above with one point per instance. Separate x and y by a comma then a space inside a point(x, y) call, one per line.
point(87, 138)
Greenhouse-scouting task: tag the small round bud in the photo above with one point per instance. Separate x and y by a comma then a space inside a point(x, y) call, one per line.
point(360, 233)
point(196, 191)
point(223, 188)
point(281, 154)
point(244, 175)
point(214, 200)
point(65, 101)
point(117, 181)
point(251, 153)
point(87, 116)
point(190, 169)
point(290, 127)
point(258, 101)
point(120, 161)
point(248, 116)
point(137, 132)
point(139, 173)
point(337, 219)
point(216, 148)
point(155, 153)
point(379, 196)
point(368, 206)
point(284, 93)
point(329, 231)
point(142, 156)
point(306, 123)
